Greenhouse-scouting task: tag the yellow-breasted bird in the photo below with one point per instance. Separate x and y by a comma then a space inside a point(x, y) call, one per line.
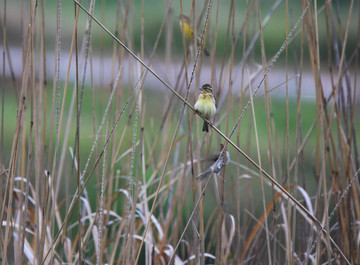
point(206, 105)
point(188, 31)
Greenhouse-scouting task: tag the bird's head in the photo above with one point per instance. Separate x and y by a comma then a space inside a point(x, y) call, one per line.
point(184, 18)
point(206, 88)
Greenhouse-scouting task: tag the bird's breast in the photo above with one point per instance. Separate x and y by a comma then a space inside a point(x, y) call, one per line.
point(206, 106)
point(187, 30)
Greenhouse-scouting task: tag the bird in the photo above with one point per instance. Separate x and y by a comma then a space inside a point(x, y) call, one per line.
point(221, 161)
point(188, 31)
point(205, 105)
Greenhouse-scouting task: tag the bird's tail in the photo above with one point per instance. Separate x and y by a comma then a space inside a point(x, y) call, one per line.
point(205, 127)
point(206, 52)
point(204, 175)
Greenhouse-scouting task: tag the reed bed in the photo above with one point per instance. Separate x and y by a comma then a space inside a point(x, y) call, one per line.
point(101, 146)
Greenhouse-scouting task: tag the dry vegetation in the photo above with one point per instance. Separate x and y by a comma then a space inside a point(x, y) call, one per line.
point(98, 166)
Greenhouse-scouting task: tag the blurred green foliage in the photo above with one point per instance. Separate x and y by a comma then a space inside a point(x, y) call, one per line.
point(154, 11)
